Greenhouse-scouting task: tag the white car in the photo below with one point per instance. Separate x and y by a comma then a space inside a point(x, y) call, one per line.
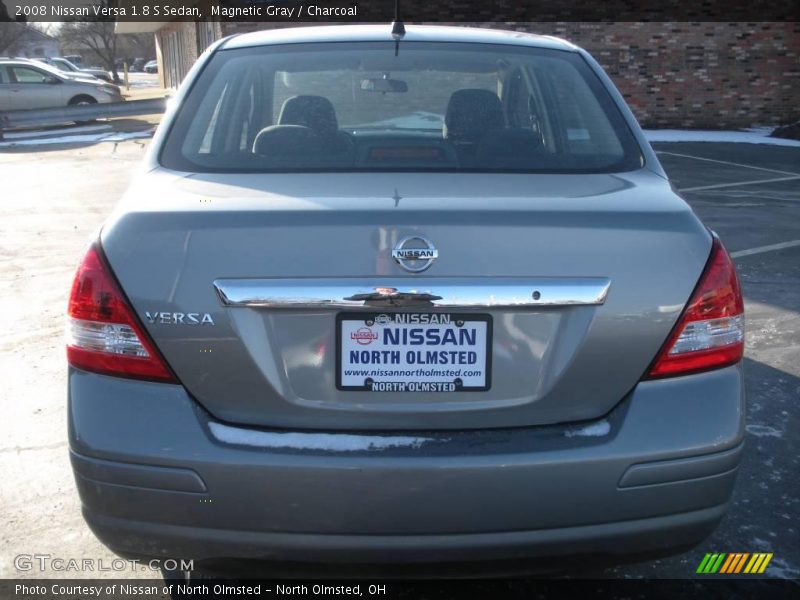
point(26, 84)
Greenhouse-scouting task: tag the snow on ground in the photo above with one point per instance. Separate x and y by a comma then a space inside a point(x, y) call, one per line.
point(417, 120)
point(77, 139)
point(758, 135)
point(83, 129)
point(763, 431)
point(142, 80)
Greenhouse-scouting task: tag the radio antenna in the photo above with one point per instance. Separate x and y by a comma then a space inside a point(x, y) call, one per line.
point(398, 29)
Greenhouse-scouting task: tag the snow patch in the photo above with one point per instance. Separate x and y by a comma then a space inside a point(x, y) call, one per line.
point(21, 135)
point(336, 442)
point(419, 119)
point(759, 135)
point(78, 139)
point(763, 431)
point(598, 429)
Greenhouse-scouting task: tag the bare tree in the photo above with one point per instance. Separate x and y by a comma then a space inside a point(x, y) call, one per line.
point(11, 32)
point(96, 36)
point(136, 45)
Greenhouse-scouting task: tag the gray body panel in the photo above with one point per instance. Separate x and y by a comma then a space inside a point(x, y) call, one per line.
point(175, 233)
point(174, 236)
point(658, 469)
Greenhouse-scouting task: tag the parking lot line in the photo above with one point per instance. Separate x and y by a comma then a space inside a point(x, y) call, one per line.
point(726, 162)
point(770, 248)
point(737, 184)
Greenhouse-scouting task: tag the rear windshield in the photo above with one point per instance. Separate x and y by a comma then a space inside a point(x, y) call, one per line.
point(415, 107)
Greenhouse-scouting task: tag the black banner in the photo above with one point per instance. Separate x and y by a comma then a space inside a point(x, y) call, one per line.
point(354, 11)
point(528, 589)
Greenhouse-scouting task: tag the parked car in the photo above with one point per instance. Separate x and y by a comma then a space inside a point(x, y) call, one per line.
point(137, 65)
point(151, 67)
point(66, 66)
point(412, 299)
point(26, 84)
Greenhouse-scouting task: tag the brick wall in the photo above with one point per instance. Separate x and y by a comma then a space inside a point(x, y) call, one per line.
point(701, 75)
point(706, 75)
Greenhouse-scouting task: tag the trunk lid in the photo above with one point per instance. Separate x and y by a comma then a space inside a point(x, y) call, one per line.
point(203, 257)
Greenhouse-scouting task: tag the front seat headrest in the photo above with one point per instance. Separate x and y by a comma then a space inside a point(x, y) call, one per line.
point(314, 112)
point(471, 114)
point(287, 141)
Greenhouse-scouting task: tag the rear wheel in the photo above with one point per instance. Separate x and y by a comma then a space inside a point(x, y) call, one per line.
point(83, 100)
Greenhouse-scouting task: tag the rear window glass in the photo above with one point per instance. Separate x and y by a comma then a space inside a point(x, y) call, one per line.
point(426, 107)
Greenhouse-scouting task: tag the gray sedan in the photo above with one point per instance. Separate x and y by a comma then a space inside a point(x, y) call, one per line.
point(403, 299)
point(30, 85)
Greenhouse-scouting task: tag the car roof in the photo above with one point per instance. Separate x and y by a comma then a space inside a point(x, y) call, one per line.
point(26, 62)
point(30, 62)
point(414, 33)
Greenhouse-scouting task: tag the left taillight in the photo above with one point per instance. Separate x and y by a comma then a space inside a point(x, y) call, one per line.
point(103, 333)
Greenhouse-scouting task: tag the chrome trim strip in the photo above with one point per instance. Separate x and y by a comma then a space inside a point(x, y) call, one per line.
point(490, 292)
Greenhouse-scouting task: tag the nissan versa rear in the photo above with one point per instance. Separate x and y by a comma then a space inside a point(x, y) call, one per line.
point(403, 299)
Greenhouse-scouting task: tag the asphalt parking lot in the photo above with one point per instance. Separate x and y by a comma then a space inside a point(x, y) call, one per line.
point(54, 197)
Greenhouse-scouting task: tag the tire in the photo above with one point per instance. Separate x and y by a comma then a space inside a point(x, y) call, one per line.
point(83, 100)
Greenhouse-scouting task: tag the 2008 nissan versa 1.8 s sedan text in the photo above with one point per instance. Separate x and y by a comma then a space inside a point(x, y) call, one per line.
point(415, 299)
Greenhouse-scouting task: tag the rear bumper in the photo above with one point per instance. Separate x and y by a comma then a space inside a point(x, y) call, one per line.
point(158, 477)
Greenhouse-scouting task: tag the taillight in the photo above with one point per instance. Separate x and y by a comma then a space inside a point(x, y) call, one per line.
point(103, 333)
point(710, 332)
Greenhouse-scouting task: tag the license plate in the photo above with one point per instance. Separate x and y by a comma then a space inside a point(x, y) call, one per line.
point(413, 352)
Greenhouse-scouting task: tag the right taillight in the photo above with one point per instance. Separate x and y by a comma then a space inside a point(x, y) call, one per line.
point(710, 332)
point(103, 333)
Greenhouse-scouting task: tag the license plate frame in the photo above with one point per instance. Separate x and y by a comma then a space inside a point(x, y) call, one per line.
point(378, 320)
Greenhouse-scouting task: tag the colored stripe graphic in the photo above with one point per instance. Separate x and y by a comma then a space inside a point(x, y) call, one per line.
point(711, 563)
point(765, 563)
point(741, 562)
point(715, 567)
point(758, 563)
point(724, 563)
point(703, 564)
point(726, 566)
point(751, 564)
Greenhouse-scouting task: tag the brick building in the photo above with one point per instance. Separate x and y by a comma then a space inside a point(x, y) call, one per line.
point(673, 74)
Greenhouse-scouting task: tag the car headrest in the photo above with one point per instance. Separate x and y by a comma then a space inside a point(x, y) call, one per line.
point(286, 140)
point(314, 112)
point(471, 114)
